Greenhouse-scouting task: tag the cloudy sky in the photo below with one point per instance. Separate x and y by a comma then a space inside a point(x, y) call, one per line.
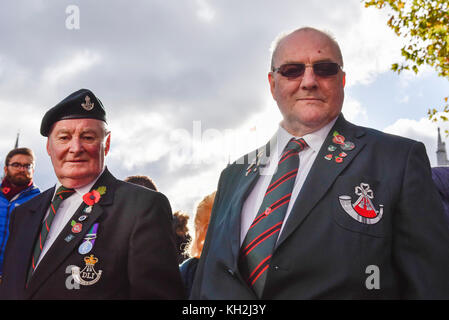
point(185, 82)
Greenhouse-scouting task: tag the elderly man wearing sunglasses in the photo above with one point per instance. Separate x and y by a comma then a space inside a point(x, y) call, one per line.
point(327, 209)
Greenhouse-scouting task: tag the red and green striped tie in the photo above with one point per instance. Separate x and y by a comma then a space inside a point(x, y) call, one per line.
point(256, 250)
point(61, 194)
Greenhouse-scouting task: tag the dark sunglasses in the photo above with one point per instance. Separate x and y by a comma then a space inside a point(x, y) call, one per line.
point(295, 70)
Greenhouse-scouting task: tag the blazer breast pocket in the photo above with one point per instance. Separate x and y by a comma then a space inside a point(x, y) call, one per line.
point(359, 204)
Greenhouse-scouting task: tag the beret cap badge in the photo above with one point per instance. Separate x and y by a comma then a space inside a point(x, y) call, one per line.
point(88, 105)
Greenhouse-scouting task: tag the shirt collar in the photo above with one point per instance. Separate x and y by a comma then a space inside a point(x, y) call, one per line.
point(84, 189)
point(314, 140)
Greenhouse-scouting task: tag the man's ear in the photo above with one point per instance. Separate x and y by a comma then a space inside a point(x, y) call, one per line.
point(48, 142)
point(272, 83)
point(108, 144)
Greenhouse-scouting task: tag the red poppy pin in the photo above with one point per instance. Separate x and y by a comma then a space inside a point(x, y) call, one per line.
point(94, 196)
point(6, 190)
point(338, 138)
point(91, 198)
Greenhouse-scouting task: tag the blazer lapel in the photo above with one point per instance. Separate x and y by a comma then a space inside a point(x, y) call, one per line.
point(246, 184)
point(322, 175)
point(67, 241)
point(250, 173)
point(32, 227)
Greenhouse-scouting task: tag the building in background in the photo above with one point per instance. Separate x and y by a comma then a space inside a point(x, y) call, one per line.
point(441, 152)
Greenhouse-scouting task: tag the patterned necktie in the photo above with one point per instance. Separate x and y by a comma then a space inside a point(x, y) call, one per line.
point(61, 194)
point(256, 250)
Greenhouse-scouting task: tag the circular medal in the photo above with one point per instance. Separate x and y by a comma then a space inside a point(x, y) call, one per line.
point(85, 247)
point(331, 148)
point(82, 218)
point(347, 146)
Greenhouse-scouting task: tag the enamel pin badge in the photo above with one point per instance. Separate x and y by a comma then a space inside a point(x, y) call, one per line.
point(88, 276)
point(363, 209)
point(345, 145)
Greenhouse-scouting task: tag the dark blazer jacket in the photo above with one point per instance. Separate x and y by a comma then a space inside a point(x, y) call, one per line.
point(325, 253)
point(134, 249)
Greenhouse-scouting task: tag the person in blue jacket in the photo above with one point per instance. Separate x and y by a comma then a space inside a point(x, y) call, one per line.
point(17, 187)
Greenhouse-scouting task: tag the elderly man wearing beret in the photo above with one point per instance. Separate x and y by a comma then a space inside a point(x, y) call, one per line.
point(91, 236)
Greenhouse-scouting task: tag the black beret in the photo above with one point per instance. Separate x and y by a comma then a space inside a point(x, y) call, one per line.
point(81, 104)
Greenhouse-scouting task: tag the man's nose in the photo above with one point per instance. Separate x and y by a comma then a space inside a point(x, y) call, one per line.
point(76, 145)
point(309, 81)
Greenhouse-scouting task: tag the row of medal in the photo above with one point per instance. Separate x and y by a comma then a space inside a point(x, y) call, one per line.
point(344, 145)
point(89, 239)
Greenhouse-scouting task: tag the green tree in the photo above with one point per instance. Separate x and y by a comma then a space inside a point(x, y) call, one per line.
point(425, 25)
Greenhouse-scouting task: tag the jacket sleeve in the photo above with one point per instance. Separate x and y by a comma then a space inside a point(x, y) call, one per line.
point(420, 234)
point(153, 268)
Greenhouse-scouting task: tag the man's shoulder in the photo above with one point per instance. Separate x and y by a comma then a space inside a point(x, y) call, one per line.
point(138, 192)
point(381, 136)
point(376, 138)
point(37, 198)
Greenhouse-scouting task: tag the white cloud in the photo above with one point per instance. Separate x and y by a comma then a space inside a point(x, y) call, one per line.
point(368, 45)
point(70, 66)
point(422, 130)
point(353, 110)
point(205, 11)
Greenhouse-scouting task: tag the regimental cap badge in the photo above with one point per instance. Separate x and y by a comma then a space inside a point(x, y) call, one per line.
point(87, 105)
point(88, 276)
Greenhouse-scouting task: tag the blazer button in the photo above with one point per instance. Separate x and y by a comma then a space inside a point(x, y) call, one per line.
point(276, 267)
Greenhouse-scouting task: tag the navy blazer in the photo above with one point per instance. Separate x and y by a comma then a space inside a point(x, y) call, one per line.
point(134, 248)
point(327, 251)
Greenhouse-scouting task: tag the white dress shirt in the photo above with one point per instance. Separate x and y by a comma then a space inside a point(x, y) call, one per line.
point(307, 157)
point(65, 212)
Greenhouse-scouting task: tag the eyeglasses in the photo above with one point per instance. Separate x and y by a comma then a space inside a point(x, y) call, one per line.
point(26, 166)
point(295, 70)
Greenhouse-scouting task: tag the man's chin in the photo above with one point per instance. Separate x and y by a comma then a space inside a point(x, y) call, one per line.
point(19, 182)
point(77, 180)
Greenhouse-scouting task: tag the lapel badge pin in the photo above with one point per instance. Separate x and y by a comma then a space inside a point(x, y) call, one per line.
point(347, 146)
point(87, 105)
point(363, 209)
point(88, 276)
point(338, 138)
point(338, 159)
point(331, 148)
point(255, 163)
point(76, 227)
point(69, 238)
point(328, 157)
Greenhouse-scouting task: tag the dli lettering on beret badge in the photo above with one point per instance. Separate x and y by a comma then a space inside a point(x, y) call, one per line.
point(87, 105)
point(88, 276)
point(363, 209)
